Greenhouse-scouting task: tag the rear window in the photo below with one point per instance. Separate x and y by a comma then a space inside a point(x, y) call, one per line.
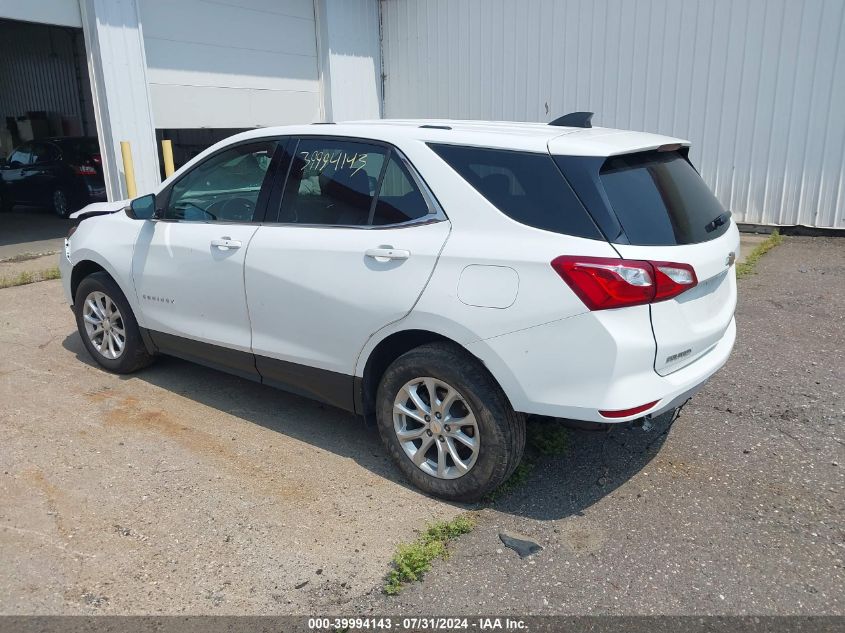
point(79, 150)
point(661, 200)
point(525, 186)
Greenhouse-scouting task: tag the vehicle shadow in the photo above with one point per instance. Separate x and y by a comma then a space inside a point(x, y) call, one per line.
point(594, 463)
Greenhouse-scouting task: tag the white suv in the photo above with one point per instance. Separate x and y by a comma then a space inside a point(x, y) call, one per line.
point(442, 278)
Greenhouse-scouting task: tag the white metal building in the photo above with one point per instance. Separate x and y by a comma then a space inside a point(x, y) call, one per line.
point(758, 86)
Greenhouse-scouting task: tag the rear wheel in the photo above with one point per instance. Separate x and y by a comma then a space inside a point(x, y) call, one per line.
point(107, 325)
point(447, 424)
point(61, 203)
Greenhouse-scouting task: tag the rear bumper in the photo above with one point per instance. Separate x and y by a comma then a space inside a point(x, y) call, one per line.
point(598, 361)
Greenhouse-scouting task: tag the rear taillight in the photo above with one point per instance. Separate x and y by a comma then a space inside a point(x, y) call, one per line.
point(84, 170)
point(603, 283)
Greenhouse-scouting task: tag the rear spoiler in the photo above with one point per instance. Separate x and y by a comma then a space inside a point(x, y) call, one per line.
point(100, 208)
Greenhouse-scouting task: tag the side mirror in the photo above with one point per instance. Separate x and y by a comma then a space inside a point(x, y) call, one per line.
point(142, 208)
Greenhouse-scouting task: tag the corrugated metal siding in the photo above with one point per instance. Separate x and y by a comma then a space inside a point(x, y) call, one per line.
point(758, 86)
point(38, 70)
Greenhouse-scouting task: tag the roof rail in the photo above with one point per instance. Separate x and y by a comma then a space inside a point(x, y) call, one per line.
point(574, 119)
point(436, 127)
point(322, 123)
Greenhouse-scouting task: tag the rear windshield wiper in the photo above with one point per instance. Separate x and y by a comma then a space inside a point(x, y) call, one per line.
point(718, 221)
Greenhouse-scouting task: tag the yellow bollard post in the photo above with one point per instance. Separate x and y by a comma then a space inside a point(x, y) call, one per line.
point(128, 169)
point(167, 153)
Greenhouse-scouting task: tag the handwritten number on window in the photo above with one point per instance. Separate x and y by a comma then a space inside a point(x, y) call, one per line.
point(317, 161)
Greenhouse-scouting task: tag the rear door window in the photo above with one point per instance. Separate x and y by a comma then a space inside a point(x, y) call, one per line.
point(332, 182)
point(525, 186)
point(661, 200)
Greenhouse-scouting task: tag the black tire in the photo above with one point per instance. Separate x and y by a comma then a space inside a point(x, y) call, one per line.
point(501, 430)
point(60, 203)
point(134, 355)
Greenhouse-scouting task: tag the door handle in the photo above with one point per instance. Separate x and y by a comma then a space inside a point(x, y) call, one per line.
point(385, 254)
point(226, 244)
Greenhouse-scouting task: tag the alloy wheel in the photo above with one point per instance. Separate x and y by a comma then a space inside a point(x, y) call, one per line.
point(436, 428)
point(104, 325)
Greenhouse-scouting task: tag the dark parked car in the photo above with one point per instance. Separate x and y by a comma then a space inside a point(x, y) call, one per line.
point(63, 174)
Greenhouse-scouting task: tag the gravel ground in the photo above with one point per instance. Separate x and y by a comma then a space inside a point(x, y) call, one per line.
point(740, 509)
point(179, 489)
point(184, 490)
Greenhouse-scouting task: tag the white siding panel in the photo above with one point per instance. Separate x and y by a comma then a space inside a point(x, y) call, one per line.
point(181, 107)
point(227, 25)
point(117, 70)
point(350, 58)
point(58, 12)
point(757, 86)
point(248, 68)
point(230, 64)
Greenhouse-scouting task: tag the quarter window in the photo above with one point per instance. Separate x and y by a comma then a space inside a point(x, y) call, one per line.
point(525, 186)
point(399, 199)
point(224, 188)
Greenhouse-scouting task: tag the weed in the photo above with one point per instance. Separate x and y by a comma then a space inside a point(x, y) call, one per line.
point(412, 560)
point(749, 265)
point(27, 277)
point(545, 437)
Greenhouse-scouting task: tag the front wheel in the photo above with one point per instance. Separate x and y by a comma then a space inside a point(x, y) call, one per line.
point(107, 325)
point(447, 424)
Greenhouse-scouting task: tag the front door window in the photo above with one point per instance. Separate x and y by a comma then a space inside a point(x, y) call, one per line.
point(224, 188)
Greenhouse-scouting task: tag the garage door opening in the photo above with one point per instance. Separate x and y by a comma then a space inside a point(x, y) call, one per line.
point(49, 155)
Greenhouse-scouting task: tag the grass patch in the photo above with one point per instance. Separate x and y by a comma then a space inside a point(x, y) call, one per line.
point(24, 257)
point(750, 264)
point(412, 560)
point(547, 438)
point(27, 277)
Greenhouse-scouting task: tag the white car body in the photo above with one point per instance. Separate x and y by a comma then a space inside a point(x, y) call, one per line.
point(307, 307)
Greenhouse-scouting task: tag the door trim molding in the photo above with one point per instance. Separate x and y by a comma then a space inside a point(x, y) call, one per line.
point(333, 388)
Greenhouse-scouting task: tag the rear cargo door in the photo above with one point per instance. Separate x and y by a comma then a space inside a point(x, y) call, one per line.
point(668, 214)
